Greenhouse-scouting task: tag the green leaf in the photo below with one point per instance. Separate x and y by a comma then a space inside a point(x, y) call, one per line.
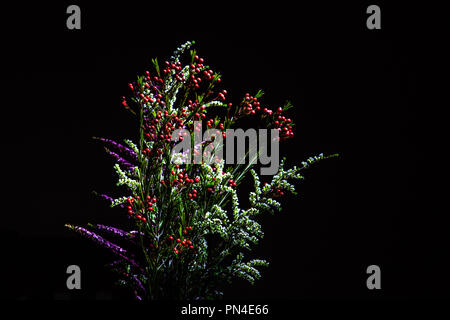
point(259, 94)
point(287, 105)
point(156, 65)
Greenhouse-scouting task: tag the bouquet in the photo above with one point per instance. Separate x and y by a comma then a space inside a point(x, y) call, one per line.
point(186, 234)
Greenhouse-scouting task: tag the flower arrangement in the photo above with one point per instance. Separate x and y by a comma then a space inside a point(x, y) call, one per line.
point(187, 232)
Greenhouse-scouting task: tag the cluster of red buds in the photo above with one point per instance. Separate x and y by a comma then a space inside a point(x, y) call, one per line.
point(180, 177)
point(148, 84)
point(181, 244)
point(124, 102)
point(193, 194)
point(231, 183)
point(137, 208)
point(222, 95)
point(134, 210)
point(176, 69)
point(150, 202)
point(199, 72)
point(157, 130)
point(197, 110)
point(283, 125)
point(251, 105)
point(210, 123)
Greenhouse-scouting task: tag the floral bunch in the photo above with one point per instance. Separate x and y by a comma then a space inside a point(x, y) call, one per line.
point(187, 233)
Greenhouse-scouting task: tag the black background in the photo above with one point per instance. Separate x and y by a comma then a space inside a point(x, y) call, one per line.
point(356, 92)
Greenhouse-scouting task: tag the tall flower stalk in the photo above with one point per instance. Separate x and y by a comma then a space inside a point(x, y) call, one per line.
point(189, 234)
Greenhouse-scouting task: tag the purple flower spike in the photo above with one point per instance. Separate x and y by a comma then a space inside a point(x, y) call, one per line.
point(124, 163)
point(120, 148)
